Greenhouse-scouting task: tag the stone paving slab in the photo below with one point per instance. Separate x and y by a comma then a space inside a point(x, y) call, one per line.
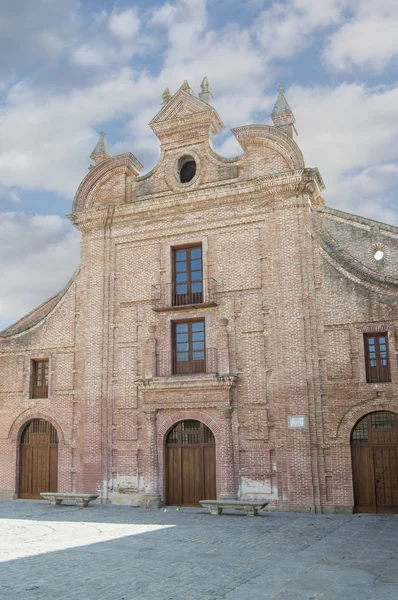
point(123, 553)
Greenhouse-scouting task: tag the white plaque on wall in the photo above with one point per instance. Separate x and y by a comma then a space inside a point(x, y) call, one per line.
point(296, 422)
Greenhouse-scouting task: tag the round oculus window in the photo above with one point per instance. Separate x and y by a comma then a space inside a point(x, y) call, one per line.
point(187, 170)
point(378, 255)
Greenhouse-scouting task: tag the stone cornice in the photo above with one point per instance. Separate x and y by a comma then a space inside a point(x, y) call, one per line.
point(275, 185)
point(179, 382)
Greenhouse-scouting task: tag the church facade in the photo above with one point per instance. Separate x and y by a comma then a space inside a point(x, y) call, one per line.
point(226, 334)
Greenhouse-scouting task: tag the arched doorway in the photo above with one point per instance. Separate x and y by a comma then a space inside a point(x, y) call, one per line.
point(374, 451)
point(38, 459)
point(190, 464)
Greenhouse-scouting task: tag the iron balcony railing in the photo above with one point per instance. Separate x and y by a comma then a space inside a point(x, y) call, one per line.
point(168, 295)
point(186, 363)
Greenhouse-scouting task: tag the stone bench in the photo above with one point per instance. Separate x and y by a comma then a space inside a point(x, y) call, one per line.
point(81, 500)
point(251, 507)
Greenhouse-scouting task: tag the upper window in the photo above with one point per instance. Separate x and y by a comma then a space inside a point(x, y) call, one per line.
point(40, 378)
point(187, 276)
point(376, 356)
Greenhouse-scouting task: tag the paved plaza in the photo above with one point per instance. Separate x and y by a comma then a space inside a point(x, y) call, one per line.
point(123, 553)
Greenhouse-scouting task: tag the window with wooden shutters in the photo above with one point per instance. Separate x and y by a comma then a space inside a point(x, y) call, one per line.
point(40, 378)
point(376, 356)
point(189, 347)
point(187, 276)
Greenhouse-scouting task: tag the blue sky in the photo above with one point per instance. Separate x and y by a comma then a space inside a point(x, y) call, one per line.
point(71, 69)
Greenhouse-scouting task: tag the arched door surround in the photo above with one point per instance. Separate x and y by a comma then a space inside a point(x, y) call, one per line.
point(38, 459)
point(374, 453)
point(190, 466)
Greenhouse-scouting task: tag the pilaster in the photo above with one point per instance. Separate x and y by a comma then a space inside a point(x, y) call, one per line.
point(227, 484)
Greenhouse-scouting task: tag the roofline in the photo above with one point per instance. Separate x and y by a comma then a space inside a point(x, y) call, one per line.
point(357, 218)
point(6, 333)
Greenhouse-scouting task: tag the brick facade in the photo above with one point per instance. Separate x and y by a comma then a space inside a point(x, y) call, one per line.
point(291, 286)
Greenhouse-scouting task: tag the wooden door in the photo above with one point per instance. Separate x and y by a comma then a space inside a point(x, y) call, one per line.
point(374, 449)
point(190, 464)
point(38, 460)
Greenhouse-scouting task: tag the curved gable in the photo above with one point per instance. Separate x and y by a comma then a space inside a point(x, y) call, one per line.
point(118, 169)
point(277, 150)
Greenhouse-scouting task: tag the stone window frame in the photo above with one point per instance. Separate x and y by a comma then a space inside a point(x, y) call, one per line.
point(185, 242)
point(189, 321)
point(392, 337)
point(189, 282)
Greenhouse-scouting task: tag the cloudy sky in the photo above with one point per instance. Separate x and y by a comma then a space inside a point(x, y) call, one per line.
point(70, 69)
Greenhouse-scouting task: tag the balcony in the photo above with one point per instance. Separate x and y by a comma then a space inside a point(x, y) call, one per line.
point(184, 296)
point(181, 363)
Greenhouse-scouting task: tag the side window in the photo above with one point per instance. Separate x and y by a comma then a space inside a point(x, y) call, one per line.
point(39, 388)
point(187, 276)
point(189, 347)
point(376, 357)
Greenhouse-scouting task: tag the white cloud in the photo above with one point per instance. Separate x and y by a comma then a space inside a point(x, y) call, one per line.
point(286, 27)
point(125, 24)
point(89, 56)
point(366, 8)
point(185, 21)
point(33, 31)
point(370, 43)
point(349, 132)
point(41, 254)
point(47, 139)
point(8, 197)
point(114, 39)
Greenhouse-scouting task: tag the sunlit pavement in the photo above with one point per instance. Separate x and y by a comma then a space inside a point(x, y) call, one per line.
point(123, 553)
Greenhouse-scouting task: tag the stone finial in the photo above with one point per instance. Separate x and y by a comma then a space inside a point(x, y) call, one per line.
point(101, 150)
point(166, 96)
point(186, 87)
point(282, 115)
point(205, 93)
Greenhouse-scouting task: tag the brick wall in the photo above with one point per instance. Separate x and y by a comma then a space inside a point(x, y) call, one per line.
point(296, 287)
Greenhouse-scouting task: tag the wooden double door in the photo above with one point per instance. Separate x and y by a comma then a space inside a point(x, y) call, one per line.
point(374, 451)
point(190, 464)
point(38, 460)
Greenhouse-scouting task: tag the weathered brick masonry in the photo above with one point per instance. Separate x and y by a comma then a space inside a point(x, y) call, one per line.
point(290, 288)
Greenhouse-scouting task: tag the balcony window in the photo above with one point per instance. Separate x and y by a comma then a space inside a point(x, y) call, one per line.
point(187, 276)
point(189, 348)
